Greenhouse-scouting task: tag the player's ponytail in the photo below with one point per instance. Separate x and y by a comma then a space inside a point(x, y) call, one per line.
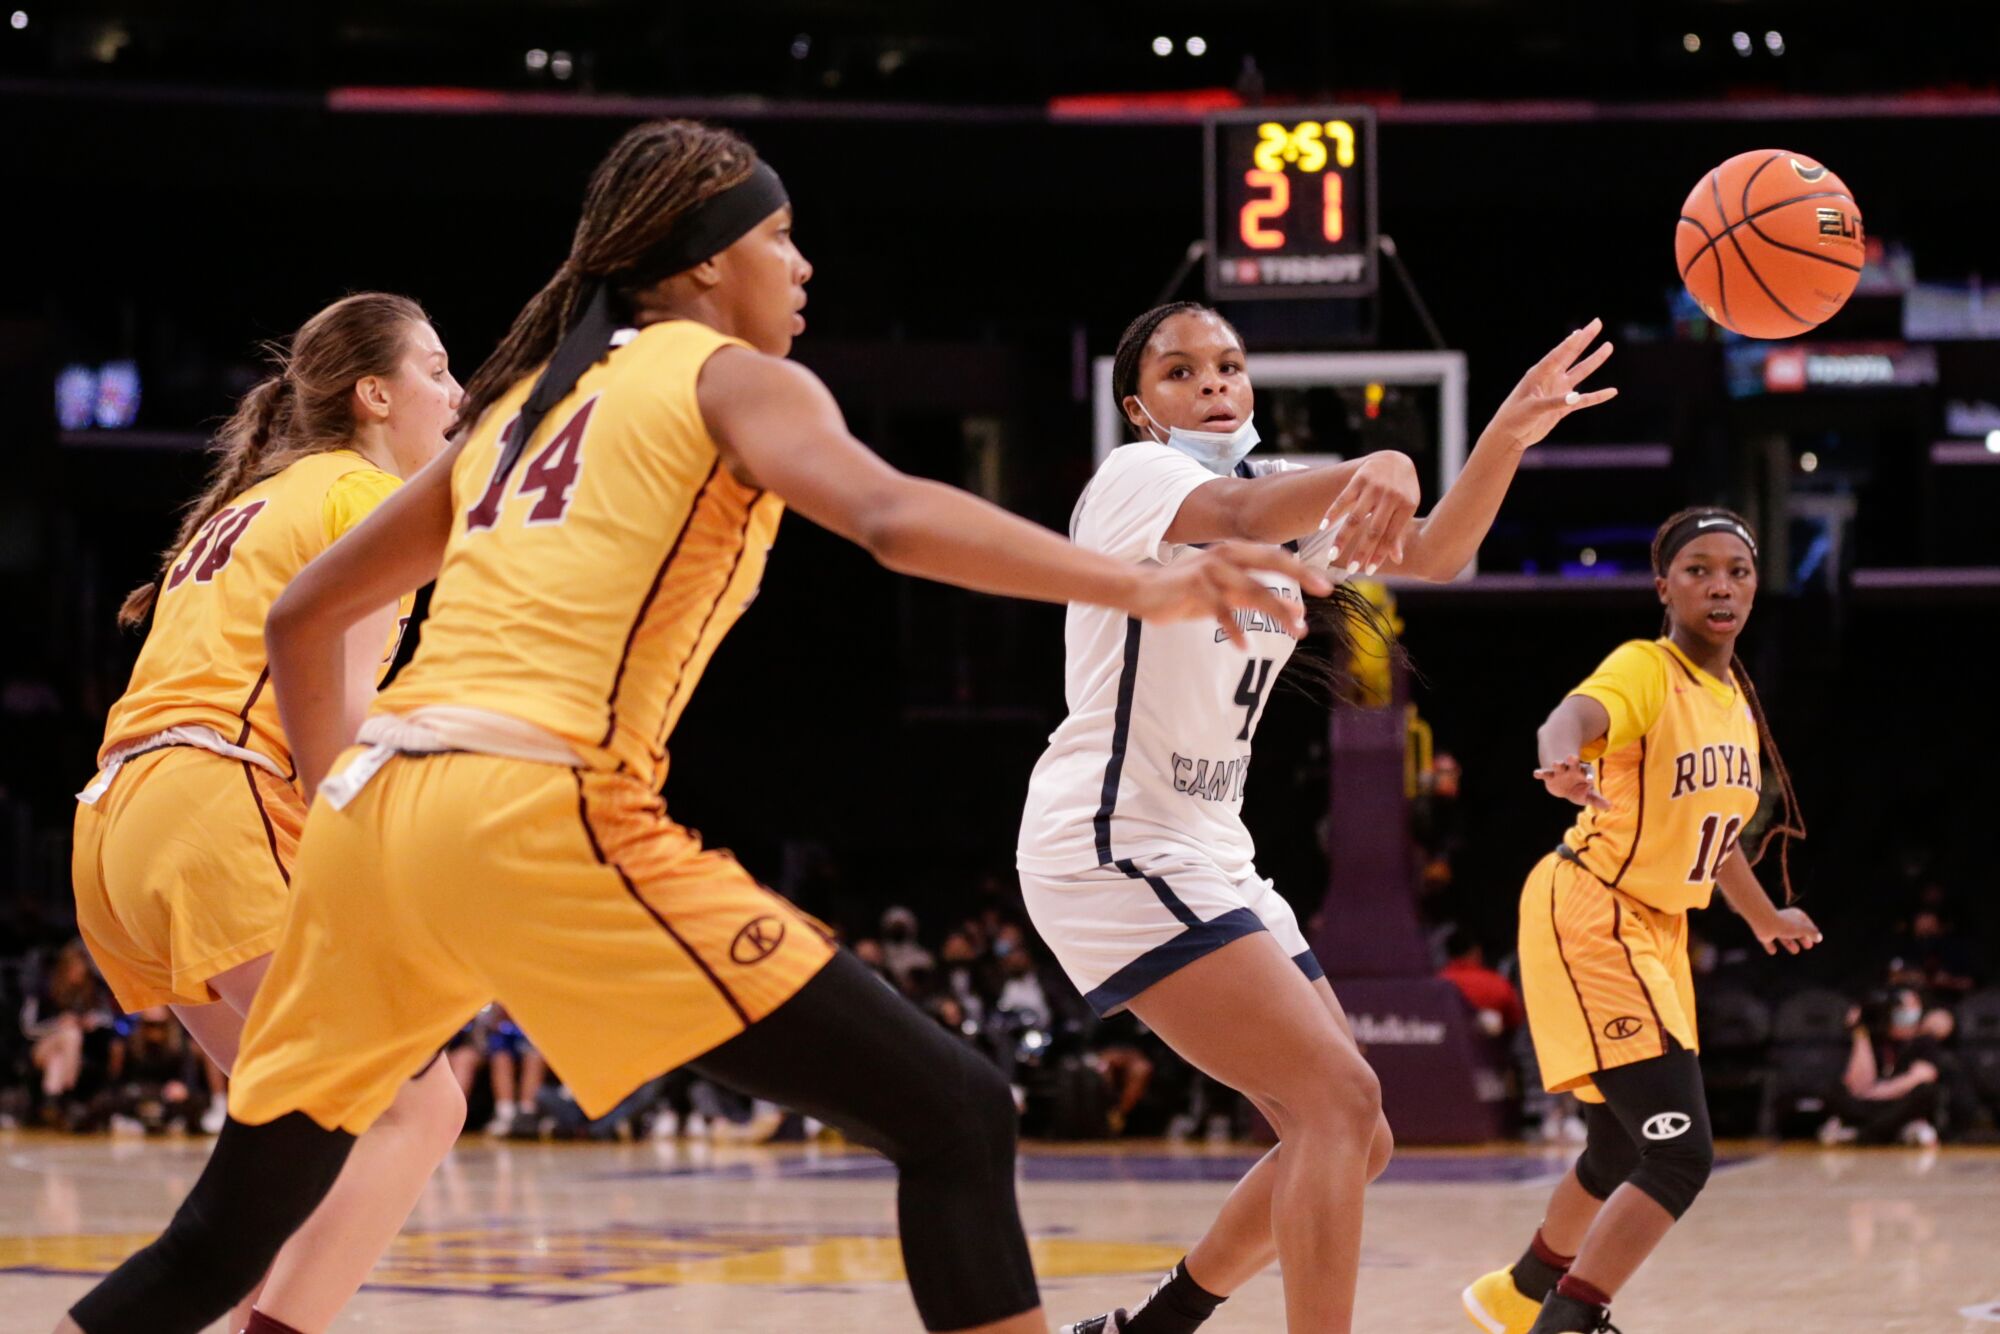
point(1789, 821)
point(646, 185)
point(304, 406)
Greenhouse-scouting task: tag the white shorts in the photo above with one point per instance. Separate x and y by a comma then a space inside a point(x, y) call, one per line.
point(1118, 929)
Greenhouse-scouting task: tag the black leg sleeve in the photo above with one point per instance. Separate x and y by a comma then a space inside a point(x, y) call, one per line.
point(1663, 1106)
point(260, 1185)
point(1609, 1155)
point(857, 1056)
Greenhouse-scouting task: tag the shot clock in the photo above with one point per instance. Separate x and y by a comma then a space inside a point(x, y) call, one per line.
point(1291, 203)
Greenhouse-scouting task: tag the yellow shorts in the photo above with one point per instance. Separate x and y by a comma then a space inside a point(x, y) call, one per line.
point(621, 946)
point(1605, 977)
point(182, 872)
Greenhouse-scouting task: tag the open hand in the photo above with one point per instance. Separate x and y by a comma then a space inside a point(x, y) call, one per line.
point(1548, 392)
point(1375, 508)
point(1791, 928)
point(1220, 580)
point(1574, 780)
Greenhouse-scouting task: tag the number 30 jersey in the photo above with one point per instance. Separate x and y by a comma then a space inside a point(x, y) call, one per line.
point(1681, 768)
point(586, 590)
point(1154, 757)
point(203, 660)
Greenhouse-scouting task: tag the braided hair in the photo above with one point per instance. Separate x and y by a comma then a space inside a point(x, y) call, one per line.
point(1350, 624)
point(1790, 820)
point(303, 406)
point(651, 178)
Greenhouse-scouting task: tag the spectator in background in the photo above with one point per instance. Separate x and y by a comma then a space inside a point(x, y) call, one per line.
point(902, 956)
point(1021, 990)
point(1496, 1005)
point(960, 959)
point(152, 1069)
point(69, 1020)
point(1934, 959)
point(869, 952)
point(517, 1071)
point(1890, 1090)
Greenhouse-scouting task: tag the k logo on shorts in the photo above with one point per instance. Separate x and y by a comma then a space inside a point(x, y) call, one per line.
point(1625, 1026)
point(1667, 1125)
point(758, 940)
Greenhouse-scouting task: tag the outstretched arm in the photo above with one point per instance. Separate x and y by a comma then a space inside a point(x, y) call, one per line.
point(1444, 541)
point(778, 428)
point(1375, 495)
point(1576, 722)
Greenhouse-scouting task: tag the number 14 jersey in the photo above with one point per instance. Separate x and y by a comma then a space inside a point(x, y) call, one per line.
point(1154, 757)
point(586, 590)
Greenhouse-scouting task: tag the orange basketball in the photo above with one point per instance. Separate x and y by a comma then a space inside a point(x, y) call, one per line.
point(1769, 243)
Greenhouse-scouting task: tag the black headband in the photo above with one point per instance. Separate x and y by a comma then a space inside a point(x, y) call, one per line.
point(709, 228)
point(1693, 526)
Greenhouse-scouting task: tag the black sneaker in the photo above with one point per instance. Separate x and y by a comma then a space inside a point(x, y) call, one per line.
point(1110, 1323)
point(1567, 1315)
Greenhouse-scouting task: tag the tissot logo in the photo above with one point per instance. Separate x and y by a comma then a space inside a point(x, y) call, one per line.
point(1667, 1125)
point(1625, 1026)
point(756, 941)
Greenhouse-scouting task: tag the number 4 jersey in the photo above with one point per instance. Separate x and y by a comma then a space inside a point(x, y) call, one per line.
point(203, 661)
point(585, 591)
point(1680, 766)
point(1154, 757)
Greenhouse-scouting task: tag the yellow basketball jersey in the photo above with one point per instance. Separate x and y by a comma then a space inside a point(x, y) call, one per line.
point(586, 591)
point(1681, 768)
point(203, 661)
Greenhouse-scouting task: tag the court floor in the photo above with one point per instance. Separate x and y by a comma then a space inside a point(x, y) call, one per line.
point(673, 1237)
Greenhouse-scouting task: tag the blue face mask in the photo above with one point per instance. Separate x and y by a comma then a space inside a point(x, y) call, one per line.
point(1217, 451)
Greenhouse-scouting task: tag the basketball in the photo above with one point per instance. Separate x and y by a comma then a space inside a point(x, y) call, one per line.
point(1769, 243)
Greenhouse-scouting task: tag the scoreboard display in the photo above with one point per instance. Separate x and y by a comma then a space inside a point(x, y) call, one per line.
point(1291, 203)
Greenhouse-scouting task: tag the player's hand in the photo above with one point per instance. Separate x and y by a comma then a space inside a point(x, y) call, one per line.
point(1216, 582)
point(1375, 506)
point(1574, 780)
point(1791, 928)
point(1548, 392)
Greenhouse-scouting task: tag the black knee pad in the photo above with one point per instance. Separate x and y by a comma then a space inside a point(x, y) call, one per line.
point(1609, 1155)
point(1664, 1109)
point(260, 1185)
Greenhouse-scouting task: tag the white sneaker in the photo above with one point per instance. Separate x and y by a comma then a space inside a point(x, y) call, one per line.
point(212, 1118)
point(1573, 1131)
point(503, 1119)
point(131, 1125)
point(666, 1126)
point(697, 1126)
point(1920, 1133)
point(1835, 1132)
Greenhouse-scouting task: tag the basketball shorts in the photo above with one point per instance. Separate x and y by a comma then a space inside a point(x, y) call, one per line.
point(182, 871)
point(1118, 929)
point(1605, 977)
point(620, 945)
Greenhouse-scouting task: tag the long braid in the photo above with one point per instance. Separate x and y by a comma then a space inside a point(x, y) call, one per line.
point(650, 179)
point(1790, 821)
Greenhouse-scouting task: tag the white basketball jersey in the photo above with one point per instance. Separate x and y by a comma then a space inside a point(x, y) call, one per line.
point(1154, 757)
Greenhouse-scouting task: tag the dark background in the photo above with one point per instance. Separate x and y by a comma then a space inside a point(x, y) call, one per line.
point(220, 177)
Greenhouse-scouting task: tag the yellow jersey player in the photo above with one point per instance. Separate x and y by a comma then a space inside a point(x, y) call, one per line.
point(1664, 746)
point(187, 839)
point(598, 526)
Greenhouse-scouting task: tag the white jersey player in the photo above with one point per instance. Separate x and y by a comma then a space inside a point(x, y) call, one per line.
point(1134, 860)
